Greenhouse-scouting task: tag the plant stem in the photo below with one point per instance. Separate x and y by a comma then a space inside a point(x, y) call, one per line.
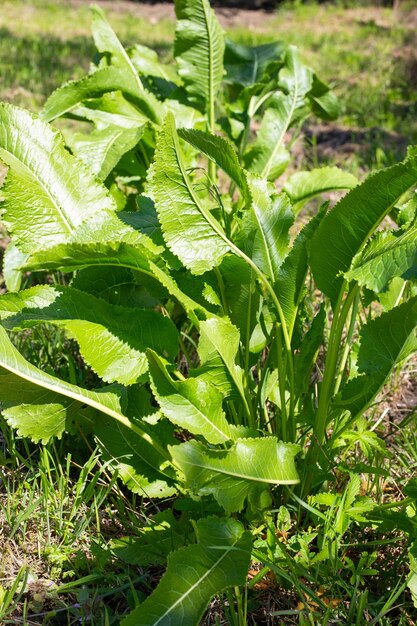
point(327, 387)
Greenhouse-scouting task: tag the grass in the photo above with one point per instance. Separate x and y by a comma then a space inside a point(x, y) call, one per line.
point(61, 508)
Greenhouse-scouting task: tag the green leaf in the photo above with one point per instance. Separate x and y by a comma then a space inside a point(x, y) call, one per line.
point(386, 256)
point(385, 341)
point(106, 240)
point(302, 186)
point(232, 476)
point(70, 95)
point(131, 456)
point(266, 226)
point(191, 233)
point(102, 149)
point(268, 156)
point(193, 404)
point(146, 63)
point(112, 339)
point(323, 101)
point(37, 413)
point(346, 228)
point(310, 345)
point(59, 402)
point(13, 260)
point(42, 204)
point(196, 573)
point(247, 65)
point(218, 347)
point(199, 50)
point(290, 283)
point(112, 109)
point(222, 152)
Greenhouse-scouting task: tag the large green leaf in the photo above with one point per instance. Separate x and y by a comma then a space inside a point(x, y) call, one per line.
point(199, 50)
point(189, 229)
point(222, 152)
point(196, 573)
point(193, 404)
point(57, 406)
point(385, 341)
point(102, 149)
point(111, 109)
point(386, 256)
point(265, 227)
point(47, 193)
point(38, 413)
point(106, 240)
point(112, 339)
point(95, 85)
point(302, 186)
point(242, 471)
point(346, 228)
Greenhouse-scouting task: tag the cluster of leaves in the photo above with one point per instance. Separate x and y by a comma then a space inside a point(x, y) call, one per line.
point(187, 295)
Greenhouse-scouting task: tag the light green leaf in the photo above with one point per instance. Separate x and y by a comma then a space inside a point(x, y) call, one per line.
point(37, 413)
point(290, 283)
point(268, 156)
point(217, 348)
point(95, 85)
point(112, 339)
point(323, 101)
point(385, 341)
point(63, 401)
point(199, 50)
point(107, 41)
point(102, 149)
point(195, 574)
point(106, 240)
point(189, 229)
point(146, 63)
point(266, 226)
point(13, 260)
point(346, 228)
point(386, 256)
point(43, 203)
point(112, 109)
point(232, 476)
point(222, 152)
point(302, 186)
point(193, 404)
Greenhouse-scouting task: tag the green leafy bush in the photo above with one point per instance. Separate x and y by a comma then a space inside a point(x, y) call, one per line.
point(189, 295)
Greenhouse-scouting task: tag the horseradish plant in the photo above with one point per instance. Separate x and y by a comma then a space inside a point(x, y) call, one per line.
point(188, 297)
